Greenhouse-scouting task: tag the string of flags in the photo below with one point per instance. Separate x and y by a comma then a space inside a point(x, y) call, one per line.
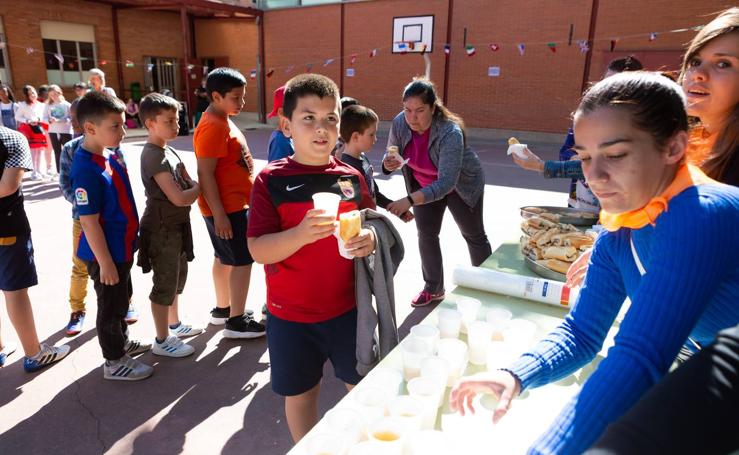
point(470, 49)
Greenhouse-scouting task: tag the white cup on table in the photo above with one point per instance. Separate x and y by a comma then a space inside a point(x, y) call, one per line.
point(427, 391)
point(326, 444)
point(409, 410)
point(469, 308)
point(479, 336)
point(428, 333)
point(413, 350)
point(455, 352)
point(345, 421)
point(436, 369)
point(498, 317)
point(385, 378)
point(390, 433)
point(450, 322)
point(371, 402)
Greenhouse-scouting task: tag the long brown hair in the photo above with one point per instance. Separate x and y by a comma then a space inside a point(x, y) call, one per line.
point(726, 148)
point(426, 90)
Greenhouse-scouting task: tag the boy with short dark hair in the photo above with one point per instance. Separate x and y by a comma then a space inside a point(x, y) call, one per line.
point(166, 235)
point(104, 199)
point(226, 175)
point(359, 131)
point(310, 287)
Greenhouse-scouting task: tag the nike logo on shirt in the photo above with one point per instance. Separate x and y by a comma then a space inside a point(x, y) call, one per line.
point(291, 188)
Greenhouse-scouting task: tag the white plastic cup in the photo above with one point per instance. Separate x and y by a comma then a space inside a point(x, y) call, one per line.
point(520, 332)
point(390, 434)
point(479, 336)
point(436, 369)
point(500, 355)
point(455, 352)
point(499, 318)
point(469, 308)
point(413, 350)
point(328, 202)
point(347, 422)
point(326, 444)
point(385, 378)
point(371, 402)
point(427, 391)
point(450, 322)
point(408, 409)
point(429, 334)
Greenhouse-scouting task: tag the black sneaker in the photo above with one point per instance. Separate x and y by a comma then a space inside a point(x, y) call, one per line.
point(219, 316)
point(243, 326)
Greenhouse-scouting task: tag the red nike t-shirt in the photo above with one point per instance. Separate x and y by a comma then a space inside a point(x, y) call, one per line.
point(315, 284)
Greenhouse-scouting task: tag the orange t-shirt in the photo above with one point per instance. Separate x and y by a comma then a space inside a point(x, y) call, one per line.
point(217, 137)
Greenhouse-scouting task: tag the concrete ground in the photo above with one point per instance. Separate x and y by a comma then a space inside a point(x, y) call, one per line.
point(218, 400)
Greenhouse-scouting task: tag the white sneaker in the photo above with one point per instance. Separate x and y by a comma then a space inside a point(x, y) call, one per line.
point(35, 176)
point(126, 369)
point(185, 330)
point(135, 347)
point(172, 347)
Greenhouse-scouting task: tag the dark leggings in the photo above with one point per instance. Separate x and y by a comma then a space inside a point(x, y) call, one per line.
point(428, 222)
point(57, 142)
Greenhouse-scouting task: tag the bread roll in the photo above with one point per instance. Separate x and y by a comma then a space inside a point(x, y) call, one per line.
point(513, 141)
point(350, 223)
point(563, 253)
point(534, 209)
point(546, 239)
point(553, 217)
point(557, 265)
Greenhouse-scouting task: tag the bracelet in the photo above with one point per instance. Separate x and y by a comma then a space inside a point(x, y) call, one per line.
point(410, 199)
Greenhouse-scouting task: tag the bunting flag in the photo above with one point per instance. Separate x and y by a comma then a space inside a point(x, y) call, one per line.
point(470, 50)
point(59, 57)
point(613, 44)
point(494, 47)
point(447, 49)
point(411, 45)
point(190, 67)
point(521, 48)
point(309, 68)
point(129, 64)
point(289, 69)
point(353, 59)
point(30, 50)
point(328, 62)
point(552, 47)
point(150, 66)
point(652, 36)
point(270, 72)
point(403, 48)
point(253, 74)
point(373, 53)
point(583, 44)
point(103, 62)
point(168, 63)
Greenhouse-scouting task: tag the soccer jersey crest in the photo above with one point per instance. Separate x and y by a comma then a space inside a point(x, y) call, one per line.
point(347, 187)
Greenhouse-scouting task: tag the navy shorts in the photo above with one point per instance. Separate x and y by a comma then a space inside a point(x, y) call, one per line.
point(235, 251)
point(17, 267)
point(297, 352)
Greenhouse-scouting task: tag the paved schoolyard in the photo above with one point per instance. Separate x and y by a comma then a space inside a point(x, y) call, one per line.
point(218, 400)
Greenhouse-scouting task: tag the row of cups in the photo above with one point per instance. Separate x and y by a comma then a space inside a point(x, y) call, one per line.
point(379, 419)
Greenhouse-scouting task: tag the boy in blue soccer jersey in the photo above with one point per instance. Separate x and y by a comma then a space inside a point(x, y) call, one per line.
point(110, 224)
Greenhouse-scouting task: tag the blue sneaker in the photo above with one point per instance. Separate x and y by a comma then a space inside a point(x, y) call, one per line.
point(132, 316)
point(46, 356)
point(75, 323)
point(5, 352)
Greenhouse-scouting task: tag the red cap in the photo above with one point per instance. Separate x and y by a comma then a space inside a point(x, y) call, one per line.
point(278, 99)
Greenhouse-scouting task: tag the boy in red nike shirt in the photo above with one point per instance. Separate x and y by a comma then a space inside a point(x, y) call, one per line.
point(310, 287)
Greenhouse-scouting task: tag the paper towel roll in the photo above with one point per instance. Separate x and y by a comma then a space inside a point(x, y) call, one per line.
point(536, 289)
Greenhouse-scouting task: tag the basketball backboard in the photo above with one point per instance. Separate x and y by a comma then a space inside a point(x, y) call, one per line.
point(413, 34)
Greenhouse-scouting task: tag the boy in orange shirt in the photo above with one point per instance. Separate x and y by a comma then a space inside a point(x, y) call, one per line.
point(226, 175)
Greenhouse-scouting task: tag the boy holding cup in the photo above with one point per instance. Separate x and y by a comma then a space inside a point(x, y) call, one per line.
point(310, 287)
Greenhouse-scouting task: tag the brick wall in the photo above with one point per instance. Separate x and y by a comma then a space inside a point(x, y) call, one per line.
point(235, 39)
point(534, 92)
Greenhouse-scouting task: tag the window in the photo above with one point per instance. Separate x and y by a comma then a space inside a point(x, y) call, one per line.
point(69, 51)
point(4, 69)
